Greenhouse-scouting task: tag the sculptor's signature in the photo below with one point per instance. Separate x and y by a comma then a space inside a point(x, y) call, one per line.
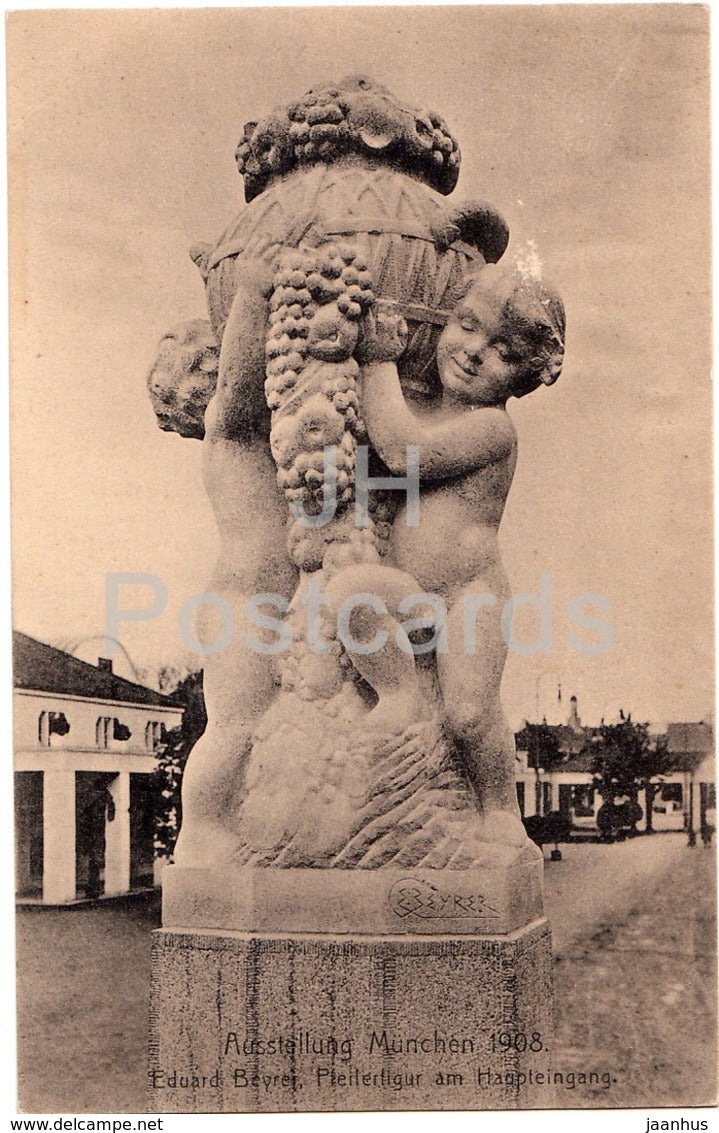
point(422, 899)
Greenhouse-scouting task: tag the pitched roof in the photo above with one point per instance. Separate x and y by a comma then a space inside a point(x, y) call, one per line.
point(572, 744)
point(45, 669)
point(690, 737)
point(690, 743)
point(572, 741)
point(581, 761)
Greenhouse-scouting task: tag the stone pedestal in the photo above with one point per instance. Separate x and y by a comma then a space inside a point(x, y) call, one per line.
point(500, 895)
point(421, 994)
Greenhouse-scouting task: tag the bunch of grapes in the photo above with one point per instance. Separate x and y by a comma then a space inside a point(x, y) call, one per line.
point(291, 309)
point(445, 150)
point(307, 281)
point(325, 124)
point(319, 130)
point(341, 276)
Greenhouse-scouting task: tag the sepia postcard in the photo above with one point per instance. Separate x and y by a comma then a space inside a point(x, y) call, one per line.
point(362, 597)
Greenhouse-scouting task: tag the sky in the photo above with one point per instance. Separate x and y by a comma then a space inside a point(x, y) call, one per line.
point(585, 126)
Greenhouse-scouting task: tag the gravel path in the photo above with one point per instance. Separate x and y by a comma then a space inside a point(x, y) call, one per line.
point(83, 983)
point(637, 997)
point(597, 884)
point(634, 978)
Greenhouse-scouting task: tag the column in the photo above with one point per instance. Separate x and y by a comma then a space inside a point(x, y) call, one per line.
point(117, 838)
point(692, 839)
point(58, 816)
point(555, 793)
point(531, 791)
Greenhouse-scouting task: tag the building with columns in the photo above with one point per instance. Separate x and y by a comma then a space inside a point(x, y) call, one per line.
point(86, 744)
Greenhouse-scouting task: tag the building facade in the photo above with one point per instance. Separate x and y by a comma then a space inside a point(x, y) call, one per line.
point(86, 743)
point(683, 799)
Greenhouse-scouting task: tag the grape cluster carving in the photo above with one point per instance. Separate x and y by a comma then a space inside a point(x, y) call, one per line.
point(353, 116)
point(318, 299)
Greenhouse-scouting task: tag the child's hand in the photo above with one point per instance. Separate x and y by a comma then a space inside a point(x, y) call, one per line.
point(383, 337)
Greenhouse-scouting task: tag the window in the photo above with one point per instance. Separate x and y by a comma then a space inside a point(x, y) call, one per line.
point(154, 735)
point(671, 793)
point(103, 731)
point(51, 724)
point(120, 731)
point(43, 729)
point(583, 801)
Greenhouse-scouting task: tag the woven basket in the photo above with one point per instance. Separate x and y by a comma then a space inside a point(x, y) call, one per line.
point(402, 228)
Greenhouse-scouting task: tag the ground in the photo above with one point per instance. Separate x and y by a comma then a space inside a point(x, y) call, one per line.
point(637, 994)
point(635, 986)
point(83, 981)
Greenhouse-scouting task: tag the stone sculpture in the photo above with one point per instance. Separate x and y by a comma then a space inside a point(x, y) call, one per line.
point(351, 859)
point(354, 311)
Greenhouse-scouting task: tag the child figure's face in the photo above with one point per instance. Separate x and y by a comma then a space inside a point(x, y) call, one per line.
point(481, 358)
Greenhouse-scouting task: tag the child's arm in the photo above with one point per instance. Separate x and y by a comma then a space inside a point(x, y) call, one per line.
point(448, 447)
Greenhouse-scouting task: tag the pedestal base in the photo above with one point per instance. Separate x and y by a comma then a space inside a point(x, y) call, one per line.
point(500, 895)
point(246, 1023)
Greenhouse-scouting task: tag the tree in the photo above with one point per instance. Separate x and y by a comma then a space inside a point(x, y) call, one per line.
point(658, 762)
point(543, 753)
point(173, 752)
point(624, 761)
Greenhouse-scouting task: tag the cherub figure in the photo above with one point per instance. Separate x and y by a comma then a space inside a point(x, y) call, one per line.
point(183, 377)
point(504, 339)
